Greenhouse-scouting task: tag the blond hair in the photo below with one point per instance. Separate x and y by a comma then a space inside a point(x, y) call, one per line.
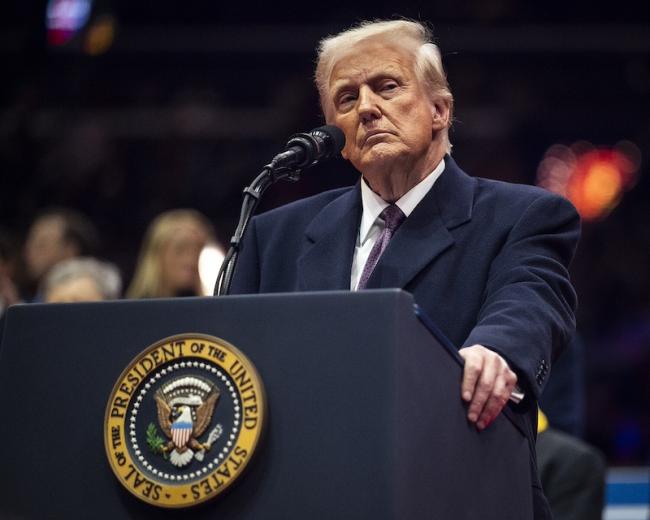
point(147, 280)
point(412, 36)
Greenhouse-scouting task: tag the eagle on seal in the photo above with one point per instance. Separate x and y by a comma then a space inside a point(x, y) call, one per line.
point(185, 409)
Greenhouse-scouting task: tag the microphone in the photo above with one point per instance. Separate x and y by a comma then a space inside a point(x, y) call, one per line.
point(306, 149)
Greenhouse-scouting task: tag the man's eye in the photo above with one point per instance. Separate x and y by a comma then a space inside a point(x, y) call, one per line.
point(387, 87)
point(346, 98)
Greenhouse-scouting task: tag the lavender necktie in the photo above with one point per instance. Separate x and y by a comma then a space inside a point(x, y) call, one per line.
point(393, 217)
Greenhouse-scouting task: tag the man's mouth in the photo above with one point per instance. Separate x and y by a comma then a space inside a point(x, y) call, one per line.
point(375, 133)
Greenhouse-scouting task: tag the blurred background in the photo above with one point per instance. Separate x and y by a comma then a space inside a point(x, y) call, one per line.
point(122, 110)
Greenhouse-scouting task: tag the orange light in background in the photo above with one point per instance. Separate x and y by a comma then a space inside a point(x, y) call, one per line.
point(593, 179)
point(595, 187)
point(100, 36)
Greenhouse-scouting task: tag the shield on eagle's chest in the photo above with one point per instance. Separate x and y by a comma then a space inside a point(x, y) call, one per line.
point(181, 433)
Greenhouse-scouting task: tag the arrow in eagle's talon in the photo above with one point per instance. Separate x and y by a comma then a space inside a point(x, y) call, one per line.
point(214, 435)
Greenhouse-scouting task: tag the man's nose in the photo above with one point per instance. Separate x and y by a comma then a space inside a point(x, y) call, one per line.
point(368, 108)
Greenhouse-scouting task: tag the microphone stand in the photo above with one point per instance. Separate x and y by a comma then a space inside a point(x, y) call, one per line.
point(271, 173)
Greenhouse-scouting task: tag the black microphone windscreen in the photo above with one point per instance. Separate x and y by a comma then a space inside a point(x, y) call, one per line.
point(333, 135)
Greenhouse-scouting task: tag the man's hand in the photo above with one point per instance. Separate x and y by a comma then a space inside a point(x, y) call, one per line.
point(487, 384)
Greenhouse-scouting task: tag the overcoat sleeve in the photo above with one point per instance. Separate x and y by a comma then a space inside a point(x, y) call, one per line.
point(527, 311)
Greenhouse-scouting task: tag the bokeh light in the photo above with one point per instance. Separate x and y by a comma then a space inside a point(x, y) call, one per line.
point(210, 261)
point(65, 18)
point(100, 35)
point(593, 179)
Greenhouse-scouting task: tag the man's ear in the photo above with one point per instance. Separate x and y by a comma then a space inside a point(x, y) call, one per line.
point(440, 113)
point(344, 153)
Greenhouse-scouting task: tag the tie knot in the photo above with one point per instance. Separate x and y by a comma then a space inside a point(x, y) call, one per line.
point(393, 217)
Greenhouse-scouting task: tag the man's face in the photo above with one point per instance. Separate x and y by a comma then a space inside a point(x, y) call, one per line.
point(378, 102)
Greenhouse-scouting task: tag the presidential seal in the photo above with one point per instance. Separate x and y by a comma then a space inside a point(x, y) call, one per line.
point(183, 420)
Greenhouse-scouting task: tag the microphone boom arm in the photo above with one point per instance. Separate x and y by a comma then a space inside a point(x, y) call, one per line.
point(252, 195)
point(302, 151)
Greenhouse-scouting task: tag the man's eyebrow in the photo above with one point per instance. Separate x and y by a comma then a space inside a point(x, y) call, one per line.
point(339, 85)
point(347, 82)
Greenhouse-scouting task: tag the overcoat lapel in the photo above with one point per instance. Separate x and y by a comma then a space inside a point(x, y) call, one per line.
point(426, 233)
point(331, 236)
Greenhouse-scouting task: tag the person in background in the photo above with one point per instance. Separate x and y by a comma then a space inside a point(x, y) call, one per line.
point(8, 290)
point(81, 280)
point(572, 473)
point(57, 234)
point(168, 264)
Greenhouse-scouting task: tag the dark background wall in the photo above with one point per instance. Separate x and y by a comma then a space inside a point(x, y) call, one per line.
point(190, 99)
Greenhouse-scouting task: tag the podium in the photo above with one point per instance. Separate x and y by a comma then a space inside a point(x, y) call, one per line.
point(365, 418)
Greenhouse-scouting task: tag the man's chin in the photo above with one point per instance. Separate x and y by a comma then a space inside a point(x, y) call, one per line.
point(379, 157)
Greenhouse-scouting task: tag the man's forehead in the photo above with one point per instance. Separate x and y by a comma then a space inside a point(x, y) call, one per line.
point(370, 58)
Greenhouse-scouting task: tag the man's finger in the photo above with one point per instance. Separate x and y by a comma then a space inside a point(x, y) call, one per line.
point(503, 385)
point(495, 403)
point(483, 390)
point(471, 373)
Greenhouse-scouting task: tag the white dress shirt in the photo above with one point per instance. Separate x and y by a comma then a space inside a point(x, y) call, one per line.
point(372, 225)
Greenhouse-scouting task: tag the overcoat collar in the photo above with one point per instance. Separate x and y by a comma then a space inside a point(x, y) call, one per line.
point(424, 235)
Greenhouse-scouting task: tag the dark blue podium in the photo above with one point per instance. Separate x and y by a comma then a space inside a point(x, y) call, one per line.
point(364, 409)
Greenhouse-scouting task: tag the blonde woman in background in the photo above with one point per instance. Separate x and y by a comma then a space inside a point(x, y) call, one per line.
point(168, 264)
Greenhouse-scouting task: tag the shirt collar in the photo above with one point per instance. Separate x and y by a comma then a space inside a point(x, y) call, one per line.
point(373, 204)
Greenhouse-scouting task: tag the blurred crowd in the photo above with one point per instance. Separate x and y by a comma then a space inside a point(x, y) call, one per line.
point(59, 260)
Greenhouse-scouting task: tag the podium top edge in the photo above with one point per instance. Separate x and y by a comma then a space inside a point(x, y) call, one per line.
point(366, 294)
